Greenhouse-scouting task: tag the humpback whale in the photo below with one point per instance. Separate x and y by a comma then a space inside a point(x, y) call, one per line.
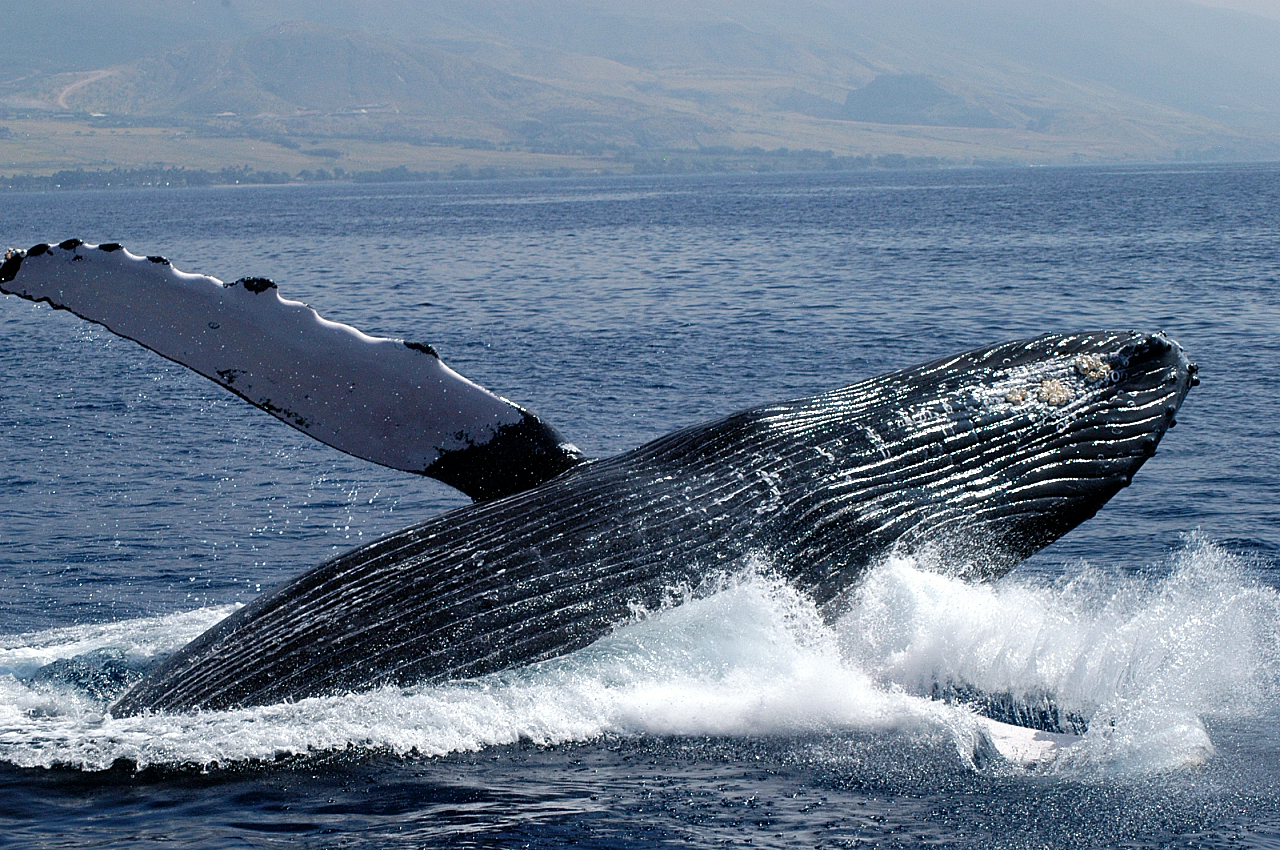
point(983, 457)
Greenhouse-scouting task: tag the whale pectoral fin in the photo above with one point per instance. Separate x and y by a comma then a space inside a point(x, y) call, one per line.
point(384, 400)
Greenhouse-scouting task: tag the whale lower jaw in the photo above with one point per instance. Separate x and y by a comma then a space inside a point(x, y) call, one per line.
point(985, 457)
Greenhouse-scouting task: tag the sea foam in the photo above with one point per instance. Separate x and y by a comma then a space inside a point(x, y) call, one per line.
point(1144, 660)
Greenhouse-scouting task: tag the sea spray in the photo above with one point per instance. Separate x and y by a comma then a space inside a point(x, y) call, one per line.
point(1147, 659)
point(1144, 659)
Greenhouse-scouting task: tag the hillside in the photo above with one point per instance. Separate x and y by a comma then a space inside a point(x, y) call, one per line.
point(427, 84)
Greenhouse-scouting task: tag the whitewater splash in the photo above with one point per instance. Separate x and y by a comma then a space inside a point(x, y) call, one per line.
point(1146, 662)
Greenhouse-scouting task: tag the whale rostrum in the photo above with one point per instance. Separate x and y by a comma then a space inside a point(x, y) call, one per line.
point(982, 458)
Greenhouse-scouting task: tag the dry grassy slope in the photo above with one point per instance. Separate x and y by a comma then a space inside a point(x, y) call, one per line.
point(980, 79)
point(304, 67)
point(318, 79)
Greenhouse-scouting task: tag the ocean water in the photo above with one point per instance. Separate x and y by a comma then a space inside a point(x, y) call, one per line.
point(140, 503)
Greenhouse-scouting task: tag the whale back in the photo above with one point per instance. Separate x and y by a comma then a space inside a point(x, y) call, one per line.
point(985, 457)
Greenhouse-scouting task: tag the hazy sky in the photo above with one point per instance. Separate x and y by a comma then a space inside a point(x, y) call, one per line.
point(1270, 8)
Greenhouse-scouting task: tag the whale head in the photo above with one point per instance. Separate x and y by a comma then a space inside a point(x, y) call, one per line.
point(980, 459)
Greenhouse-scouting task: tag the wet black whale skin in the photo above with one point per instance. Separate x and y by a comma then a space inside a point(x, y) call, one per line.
point(987, 456)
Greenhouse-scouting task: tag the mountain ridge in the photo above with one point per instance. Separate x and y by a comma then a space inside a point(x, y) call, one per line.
point(974, 80)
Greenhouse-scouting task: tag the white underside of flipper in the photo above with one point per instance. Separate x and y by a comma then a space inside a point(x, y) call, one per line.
point(1027, 747)
point(380, 399)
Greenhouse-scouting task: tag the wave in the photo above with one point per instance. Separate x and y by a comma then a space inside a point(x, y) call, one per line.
point(1143, 661)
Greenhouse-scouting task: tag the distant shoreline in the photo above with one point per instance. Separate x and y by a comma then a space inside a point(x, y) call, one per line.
point(80, 179)
point(725, 162)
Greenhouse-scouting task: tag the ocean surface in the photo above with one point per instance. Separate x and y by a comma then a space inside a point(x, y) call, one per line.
point(140, 503)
